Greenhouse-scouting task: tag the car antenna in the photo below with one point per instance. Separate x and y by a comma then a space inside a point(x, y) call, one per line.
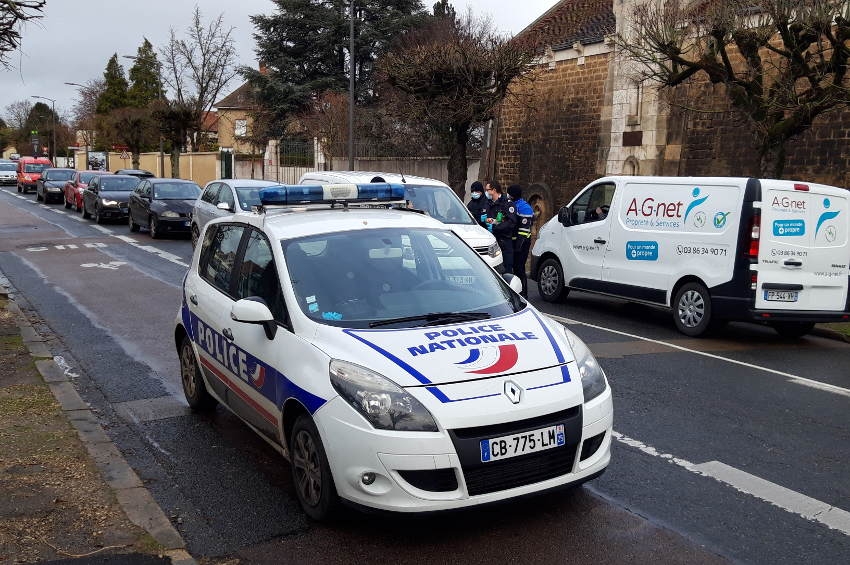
point(401, 168)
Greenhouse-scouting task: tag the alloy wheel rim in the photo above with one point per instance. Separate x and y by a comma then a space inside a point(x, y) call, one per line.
point(308, 474)
point(549, 280)
point(187, 366)
point(691, 309)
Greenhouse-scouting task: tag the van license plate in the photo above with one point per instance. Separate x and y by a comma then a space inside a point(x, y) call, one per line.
point(781, 295)
point(506, 447)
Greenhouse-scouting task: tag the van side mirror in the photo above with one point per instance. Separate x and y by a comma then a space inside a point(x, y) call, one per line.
point(564, 216)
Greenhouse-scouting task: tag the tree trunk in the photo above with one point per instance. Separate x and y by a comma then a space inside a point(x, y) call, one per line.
point(175, 162)
point(457, 161)
point(772, 159)
point(135, 159)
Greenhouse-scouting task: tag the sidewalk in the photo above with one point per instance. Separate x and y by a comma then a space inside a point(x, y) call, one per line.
point(67, 492)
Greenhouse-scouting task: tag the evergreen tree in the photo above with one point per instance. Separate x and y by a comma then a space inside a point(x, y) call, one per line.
point(444, 9)
point(42, 119)
point(114, 94)
point(304, 47)
point(145, 77)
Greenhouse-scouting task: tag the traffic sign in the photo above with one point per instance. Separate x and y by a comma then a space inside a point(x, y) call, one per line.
point(125, 155)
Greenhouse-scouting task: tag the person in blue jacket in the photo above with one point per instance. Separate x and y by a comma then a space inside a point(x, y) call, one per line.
point(522, 237)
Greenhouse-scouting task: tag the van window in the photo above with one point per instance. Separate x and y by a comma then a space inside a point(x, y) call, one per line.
point(593, 204)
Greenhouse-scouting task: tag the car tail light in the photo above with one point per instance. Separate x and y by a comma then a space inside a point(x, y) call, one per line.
point(755, 235)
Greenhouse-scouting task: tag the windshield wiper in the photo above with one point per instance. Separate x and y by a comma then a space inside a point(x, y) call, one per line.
point(433, 318)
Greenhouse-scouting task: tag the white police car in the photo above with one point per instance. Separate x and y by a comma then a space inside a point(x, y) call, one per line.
point(384, 358)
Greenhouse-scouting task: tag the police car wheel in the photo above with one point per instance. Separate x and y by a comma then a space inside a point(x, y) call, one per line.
point(550, 281)
point(193, 385)
point(311, 474)
point(793, 329)
point(692, 309)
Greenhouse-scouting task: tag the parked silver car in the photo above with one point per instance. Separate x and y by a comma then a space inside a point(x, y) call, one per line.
point(223, 197)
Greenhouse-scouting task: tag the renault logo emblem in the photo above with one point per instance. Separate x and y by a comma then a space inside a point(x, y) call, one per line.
point(513, 392)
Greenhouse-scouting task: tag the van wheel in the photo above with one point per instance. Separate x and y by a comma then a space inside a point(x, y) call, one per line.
point(311, 474)
point(550, 281)
point(194, 389)
point(793, 329)
point(692, 309)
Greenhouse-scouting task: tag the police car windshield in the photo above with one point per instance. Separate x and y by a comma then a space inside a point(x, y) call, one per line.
point(400, 276)
point(439, 202)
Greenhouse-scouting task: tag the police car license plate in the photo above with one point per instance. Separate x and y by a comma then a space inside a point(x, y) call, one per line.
point(781, 295)
point(506, 447)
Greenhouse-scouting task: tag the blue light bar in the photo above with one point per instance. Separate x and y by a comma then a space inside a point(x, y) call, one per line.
point(330, 193)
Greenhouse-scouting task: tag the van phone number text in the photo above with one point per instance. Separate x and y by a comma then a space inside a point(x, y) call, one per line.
point(699, 250)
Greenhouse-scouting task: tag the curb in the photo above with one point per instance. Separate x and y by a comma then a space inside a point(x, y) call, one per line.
point(135, 500)
point(830, 334)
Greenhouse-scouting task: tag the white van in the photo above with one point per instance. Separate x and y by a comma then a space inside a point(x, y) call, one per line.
point(711, 249)
point(434, 197)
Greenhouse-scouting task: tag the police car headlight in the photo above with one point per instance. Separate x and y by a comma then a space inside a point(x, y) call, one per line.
point(592, 377)
point(383, 403)
point(493, 250)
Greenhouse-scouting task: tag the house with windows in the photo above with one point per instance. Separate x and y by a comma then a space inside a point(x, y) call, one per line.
point(234, 119)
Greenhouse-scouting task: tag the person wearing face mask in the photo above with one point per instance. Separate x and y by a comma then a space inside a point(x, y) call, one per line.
point(477, 204)
point(502, 221)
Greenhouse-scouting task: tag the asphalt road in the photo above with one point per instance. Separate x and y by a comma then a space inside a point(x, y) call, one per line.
point(731, 448)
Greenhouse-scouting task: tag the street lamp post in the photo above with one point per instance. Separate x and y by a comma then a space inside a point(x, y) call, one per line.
point(52, 125)
point(88, 133)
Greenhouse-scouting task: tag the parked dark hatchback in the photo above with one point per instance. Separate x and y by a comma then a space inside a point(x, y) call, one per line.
point(163, 206)
point(142, 174)
point(51, 184)
point(105, 198)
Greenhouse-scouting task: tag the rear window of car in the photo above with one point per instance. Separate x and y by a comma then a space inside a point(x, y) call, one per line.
point(58, 175)
point(118, 184)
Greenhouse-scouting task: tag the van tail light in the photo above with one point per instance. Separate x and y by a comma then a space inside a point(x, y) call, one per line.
point(755, 235)
point(803, 187)
point(754, 280)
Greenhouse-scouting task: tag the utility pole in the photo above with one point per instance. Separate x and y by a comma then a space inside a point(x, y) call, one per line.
point(351, 90)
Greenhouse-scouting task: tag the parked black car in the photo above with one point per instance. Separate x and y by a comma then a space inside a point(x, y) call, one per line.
point(142, 174)
point(106, 197)
point(51, 185)
point(163, 206)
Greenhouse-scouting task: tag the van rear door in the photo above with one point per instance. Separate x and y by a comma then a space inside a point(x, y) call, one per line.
point(804, 251)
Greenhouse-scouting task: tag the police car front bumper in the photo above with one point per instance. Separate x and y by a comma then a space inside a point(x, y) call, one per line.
point(424, 471)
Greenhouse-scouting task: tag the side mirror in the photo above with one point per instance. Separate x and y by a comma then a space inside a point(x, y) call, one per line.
point(224, 206)
point(564, 216)
point(513, 282)
point(253, 310)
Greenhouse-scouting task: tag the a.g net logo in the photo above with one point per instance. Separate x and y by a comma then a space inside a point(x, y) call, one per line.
point(697, 201)
point(826, 216)
point(490, 360)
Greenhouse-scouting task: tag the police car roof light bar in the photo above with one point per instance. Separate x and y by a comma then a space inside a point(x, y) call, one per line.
point(294, 195)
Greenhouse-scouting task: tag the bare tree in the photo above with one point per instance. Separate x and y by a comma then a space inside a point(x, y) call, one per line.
point(783, 62)
point(327, 120)
point(198, 67)
point(17, 113)
point(452, 74)
point(85, 110)
point(12, 14)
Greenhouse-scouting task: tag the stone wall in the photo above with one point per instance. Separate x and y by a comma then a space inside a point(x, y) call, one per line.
point(549, 135)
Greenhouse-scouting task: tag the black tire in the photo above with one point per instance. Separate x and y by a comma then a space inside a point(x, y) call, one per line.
point(133, 225)
point(153, 226)
point(692, 309)
point(311, 474)
point(195, 235)
point(194, 389)
point(67, 204)
point(793, 329)
point(98, 218)
point(20, 189)
point(38, 197)
point(86, 214)
point(550, 281)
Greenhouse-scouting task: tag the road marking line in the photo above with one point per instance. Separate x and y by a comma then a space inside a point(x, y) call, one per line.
point(787, 499)
point(103, 229)
point(796, 379)
point(97, 244)
point(126, 238)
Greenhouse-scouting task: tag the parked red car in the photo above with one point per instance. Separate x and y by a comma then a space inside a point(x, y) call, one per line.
point(74, 188)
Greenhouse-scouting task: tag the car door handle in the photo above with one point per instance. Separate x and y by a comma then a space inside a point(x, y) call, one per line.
point(227, 333)
point(793, 263)
point(599, 240)
point(193, 299)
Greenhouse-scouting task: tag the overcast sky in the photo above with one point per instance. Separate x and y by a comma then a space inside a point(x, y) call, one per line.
point(75, 39)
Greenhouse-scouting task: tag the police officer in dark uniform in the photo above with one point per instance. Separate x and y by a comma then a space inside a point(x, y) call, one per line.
point(501, 220)
point(477, 204)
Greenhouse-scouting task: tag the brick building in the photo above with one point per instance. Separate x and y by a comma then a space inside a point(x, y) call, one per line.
point(583, 117)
